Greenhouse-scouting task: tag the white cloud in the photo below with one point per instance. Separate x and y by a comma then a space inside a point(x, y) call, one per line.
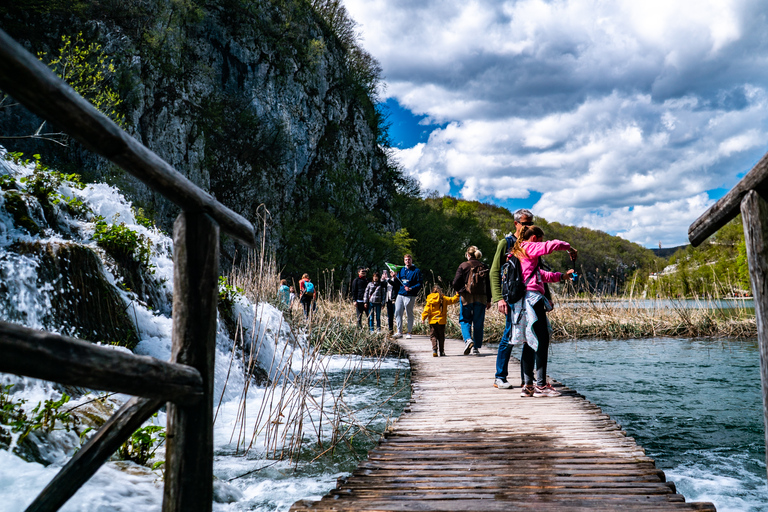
point(617, 113)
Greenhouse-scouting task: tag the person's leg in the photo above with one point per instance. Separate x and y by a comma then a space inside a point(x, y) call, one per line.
point(465, 319)
point(478, 320)
point(370, 318)
point(542, 353)
point(526, 363)
point(360, 309)
point(441, 338)
point(433, 337)
point(399, 308)
point(378, 316)
point(391, 316)
point(505, 349)
point(409, 310)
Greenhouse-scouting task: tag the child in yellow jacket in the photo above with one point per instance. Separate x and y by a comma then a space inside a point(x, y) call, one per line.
point(436, 310)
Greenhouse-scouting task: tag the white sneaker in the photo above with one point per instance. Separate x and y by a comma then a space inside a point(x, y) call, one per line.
point(501, 384)
point(468, 344)
point(397, 335)
point(408, 336)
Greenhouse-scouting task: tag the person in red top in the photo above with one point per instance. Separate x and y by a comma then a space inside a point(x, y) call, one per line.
point(307, 295)
point(529, 314)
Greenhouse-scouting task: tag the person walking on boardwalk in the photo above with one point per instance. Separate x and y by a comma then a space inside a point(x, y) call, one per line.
point(359, 285)
point(284, 293)
point(393, 286)
point(522, 218)
point(473, 283)
point(374, 297)
point(529, 314)
point(436, 311)
point(307, 295)
point(411, 283)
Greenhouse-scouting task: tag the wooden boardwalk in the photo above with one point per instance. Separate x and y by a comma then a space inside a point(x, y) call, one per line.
point(463, 445)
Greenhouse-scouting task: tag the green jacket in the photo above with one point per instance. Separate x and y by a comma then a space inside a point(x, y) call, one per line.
point(498, 261)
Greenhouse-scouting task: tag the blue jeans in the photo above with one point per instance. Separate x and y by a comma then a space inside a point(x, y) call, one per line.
point(472, 318)
point(505, 348)
point(374, 309)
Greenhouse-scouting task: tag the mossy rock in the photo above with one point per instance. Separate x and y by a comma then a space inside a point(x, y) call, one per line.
point(17, 207)
point(83, 304)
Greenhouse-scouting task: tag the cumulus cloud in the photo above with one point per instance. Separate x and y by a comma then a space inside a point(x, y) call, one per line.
point(619, 114)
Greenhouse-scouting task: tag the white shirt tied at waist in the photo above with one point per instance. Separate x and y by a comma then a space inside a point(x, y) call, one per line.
point(524, 316)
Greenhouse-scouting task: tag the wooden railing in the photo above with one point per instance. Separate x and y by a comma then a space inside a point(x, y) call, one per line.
point(748, 197)
point(186, 382)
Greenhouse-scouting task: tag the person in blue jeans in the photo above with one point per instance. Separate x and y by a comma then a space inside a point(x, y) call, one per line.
point(375, 294)
point(472, 282)
point(523, 218)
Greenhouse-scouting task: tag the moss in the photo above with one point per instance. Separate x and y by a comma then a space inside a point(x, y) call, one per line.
point(84, 304)
point(17, 207)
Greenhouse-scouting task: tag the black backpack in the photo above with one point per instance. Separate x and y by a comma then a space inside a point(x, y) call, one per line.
point(512, 284)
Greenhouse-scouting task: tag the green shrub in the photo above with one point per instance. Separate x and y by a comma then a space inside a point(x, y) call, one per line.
point(123, 243)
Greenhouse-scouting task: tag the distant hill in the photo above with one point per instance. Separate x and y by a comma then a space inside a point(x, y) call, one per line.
point(666, 252)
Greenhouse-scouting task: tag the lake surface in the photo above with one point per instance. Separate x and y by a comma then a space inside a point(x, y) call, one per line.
point(694, 405)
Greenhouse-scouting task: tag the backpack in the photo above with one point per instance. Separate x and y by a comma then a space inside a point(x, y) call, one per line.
point(476, 279)
point(309, 288)
point(512, 285)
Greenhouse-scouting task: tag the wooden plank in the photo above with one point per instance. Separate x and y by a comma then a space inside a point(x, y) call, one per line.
point(65, 360)
point(32, 84)
point(463, 445)
point(727, 207)
point(189, 452)
point(96, 451)
point(754, 214)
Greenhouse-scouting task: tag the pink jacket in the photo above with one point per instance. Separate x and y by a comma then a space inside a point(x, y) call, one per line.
point(534, 250)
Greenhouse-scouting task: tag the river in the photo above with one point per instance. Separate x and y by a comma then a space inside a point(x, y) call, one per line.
point(695, 405)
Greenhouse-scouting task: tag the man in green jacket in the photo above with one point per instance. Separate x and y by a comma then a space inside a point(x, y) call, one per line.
point(522, 217)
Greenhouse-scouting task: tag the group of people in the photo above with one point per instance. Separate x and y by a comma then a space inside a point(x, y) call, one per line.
point(395, 290)
point(307, 295)
point(478, 288)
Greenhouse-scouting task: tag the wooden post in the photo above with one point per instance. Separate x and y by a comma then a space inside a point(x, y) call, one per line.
point(189, 453)
point(754, 216)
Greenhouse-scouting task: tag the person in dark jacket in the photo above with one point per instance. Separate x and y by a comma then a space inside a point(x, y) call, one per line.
point(474, 300)
point(358, 293)
point(411, 283)
point(393, 287)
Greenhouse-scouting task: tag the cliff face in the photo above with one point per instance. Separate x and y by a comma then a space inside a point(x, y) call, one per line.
point(259, 102)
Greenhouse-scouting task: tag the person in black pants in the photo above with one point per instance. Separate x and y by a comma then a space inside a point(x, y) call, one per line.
point(358, 293)
point(393, 287)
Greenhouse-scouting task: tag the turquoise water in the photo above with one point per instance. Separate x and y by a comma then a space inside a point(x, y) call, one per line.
point(694, 405)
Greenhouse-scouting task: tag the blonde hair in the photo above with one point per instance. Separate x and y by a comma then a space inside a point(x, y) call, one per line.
point(474, 252)
point(526, 233)
point(305, 276)
point(437, 289)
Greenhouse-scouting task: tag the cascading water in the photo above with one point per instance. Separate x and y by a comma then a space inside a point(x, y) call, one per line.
point(55, 276)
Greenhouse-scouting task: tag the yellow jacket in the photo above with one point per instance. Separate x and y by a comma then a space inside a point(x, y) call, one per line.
point(436, 308)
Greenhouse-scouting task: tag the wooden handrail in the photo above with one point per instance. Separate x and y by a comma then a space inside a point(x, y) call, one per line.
point(727, 207)
point(32, 84)
point(43, 355)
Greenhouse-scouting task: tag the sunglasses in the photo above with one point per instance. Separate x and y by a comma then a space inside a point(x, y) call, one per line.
point(529, 223)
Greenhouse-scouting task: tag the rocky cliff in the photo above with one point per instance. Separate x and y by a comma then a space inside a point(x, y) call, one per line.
point(263, 102)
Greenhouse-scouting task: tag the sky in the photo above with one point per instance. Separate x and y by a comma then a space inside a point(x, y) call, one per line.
point(631, 117)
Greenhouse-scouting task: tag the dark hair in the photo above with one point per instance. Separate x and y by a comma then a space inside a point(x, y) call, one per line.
point(376, 274)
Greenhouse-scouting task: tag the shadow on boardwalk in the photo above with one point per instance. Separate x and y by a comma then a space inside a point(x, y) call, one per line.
point(463, 445)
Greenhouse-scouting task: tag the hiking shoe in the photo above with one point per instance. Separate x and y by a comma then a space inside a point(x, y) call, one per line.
point(526, 391)
point(501, 384)
point(475, 351)
point(468, 344)
point(442, 354)
point(397, 335)
point(408, 336)
point(547, 390)
point(434, 354)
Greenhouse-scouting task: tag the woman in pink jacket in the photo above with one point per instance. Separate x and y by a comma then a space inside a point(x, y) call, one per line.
point(529, 314)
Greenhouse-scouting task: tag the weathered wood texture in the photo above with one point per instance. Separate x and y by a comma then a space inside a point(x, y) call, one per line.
point(727, 207)
point(754, 216)
point(36, 87)
point(463, 445)
point(95, 453)
point(43, 355)
point(189, 452)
